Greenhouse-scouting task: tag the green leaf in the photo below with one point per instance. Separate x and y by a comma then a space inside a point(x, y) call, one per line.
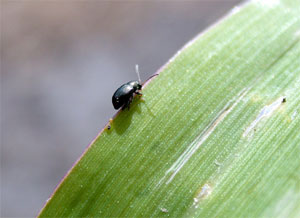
point(217, 134)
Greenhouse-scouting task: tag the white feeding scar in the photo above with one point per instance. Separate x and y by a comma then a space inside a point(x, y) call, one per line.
point(266, 111)
point(194, 146)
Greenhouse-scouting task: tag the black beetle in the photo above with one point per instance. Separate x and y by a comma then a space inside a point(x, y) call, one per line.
point(123, 96)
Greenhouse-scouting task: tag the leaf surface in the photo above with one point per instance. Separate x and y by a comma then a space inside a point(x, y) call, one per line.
point(217, 134)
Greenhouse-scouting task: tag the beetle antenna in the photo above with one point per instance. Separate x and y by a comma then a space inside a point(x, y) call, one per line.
point(137, 72)
point(150, 78)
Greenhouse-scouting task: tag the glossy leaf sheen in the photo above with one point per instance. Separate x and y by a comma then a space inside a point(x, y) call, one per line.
point(213, 138)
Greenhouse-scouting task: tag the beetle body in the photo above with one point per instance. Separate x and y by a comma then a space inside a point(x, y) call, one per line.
point(123, 96)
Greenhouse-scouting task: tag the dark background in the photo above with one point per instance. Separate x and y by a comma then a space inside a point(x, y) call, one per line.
point(61, 61)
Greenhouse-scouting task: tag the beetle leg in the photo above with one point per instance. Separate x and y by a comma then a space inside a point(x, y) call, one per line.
point(138, 93)
point(125, 106)
point(129, 102)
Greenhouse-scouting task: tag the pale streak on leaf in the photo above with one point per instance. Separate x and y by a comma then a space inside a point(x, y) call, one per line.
point(195, 145)
point(266, 111)
point(203, 193)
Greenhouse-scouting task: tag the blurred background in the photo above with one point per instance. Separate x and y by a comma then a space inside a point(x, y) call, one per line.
point(61, 61)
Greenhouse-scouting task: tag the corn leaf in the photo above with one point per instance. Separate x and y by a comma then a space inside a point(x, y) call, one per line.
point(217, 134)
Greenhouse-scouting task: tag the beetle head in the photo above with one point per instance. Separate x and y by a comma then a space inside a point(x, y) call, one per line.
point(136, 85)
